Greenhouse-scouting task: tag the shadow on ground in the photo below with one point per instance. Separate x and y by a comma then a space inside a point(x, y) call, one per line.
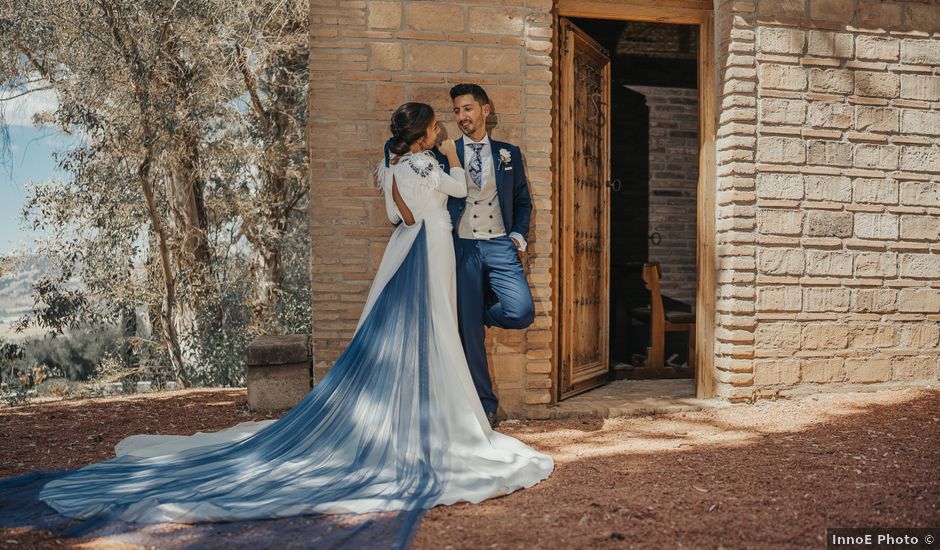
point(766, 475)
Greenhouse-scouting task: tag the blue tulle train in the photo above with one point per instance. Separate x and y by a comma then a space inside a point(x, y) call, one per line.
point(358, 442)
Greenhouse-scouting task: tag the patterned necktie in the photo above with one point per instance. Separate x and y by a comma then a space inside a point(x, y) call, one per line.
point(476, 165)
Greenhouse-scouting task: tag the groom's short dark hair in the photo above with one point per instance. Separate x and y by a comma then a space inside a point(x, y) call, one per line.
point(478, 93)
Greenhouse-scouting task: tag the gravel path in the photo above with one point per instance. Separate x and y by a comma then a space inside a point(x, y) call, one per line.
point(774, 474)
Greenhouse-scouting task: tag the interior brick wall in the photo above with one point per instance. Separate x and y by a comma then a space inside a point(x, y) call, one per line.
point(673, 179)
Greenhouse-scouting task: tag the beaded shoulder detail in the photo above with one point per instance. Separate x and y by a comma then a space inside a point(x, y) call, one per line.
point(422, 164)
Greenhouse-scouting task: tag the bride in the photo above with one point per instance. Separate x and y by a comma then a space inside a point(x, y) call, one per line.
point(396, 423)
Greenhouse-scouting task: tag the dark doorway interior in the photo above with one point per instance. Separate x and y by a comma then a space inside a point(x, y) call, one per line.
point(654, 124)
point(629, 215)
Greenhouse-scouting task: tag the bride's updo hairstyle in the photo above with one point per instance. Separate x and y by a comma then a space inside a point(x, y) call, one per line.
point(409, 124)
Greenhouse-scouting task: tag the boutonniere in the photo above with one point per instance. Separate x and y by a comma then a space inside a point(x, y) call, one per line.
point(505, 157)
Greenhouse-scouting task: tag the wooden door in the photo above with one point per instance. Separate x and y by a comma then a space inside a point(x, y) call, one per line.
point(584, 218)
point(674, 12)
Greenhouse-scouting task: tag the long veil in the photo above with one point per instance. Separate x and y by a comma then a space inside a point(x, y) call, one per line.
point(357, 443)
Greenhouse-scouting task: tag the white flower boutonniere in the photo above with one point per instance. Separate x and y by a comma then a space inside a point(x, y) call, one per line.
point(505, 157)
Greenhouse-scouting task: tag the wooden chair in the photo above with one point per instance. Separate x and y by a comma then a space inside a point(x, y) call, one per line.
point(662, 321)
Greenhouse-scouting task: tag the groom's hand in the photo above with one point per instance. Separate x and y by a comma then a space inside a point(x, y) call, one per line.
point(519, 250)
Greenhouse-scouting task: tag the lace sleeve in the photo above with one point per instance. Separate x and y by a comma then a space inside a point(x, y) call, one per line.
point(453, 184)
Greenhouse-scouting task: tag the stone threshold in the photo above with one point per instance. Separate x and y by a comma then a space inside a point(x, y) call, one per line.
point(630, 398)
point(621, 398)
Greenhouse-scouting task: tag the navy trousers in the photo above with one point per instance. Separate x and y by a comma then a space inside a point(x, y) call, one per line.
point(491, 290)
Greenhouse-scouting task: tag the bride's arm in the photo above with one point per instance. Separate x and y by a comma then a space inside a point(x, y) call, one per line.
point(455, 183)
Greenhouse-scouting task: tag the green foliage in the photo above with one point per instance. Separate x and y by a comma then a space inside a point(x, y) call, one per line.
point(77, 354)
point(57, 306)
point(186, 191)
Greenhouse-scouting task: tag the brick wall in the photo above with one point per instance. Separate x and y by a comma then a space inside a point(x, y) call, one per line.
point(366, 59)
point(673, 169)
point(828, 212)
point(828, 263)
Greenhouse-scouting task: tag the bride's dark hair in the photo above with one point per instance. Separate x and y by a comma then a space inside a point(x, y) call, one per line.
point(409, 124)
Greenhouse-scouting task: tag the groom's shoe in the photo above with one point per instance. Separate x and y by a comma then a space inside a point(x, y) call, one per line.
point(491, 417)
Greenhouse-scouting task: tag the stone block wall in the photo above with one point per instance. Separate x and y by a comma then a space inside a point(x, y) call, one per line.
point(828, 213)
point(673, 183)
point(368, 57)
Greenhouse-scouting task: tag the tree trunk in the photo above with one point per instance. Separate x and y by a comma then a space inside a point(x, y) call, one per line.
point(187, 187)
point(275, 124)
point(140, 75)
point(168, 307)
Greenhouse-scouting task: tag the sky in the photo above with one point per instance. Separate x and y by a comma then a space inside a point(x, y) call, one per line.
point(27, 157)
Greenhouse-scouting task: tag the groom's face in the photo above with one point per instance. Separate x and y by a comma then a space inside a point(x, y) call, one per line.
point(471, 116)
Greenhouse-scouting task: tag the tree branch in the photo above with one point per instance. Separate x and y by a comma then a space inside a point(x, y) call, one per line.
point(27, 92)
point(251, 85)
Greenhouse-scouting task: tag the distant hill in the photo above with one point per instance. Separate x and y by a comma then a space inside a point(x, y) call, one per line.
point(16, 285)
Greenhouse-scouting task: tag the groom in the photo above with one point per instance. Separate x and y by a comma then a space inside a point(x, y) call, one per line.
point(490, 228)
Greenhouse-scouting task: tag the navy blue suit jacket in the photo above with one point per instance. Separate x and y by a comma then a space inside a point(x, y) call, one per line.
point(512, 188)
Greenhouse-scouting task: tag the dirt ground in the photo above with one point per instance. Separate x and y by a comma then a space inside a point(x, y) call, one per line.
point(773, 474)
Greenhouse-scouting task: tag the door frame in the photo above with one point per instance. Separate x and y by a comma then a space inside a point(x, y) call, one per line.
point(681, 12)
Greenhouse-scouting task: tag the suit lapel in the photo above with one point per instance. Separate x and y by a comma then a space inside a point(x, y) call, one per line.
point(459, 144)
point(497, 167)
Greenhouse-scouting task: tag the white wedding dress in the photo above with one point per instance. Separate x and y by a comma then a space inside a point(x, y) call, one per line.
point(395, 425)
